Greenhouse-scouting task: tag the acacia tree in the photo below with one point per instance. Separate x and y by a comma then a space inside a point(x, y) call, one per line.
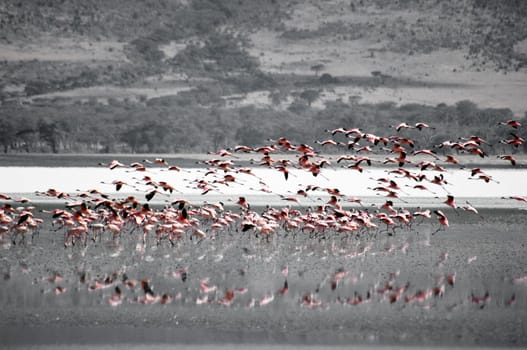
point(317, 68)
point(310, 96)
point(50, 133)
point(7, 133)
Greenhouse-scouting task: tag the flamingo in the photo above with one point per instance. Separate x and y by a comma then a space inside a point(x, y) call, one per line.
point(118, 184)
point(328, 142)
point(117, 297)
point(518, 198)
point(364, 149)
point(512, 123)
point(289, 199)
point(243, 202)
point(304, 148)
point(401, 160)
point(161, 161)
point(284, 289)
point(422, 188)
point(443, 220)
point(476, 141)
point(426, 164)
point(402, 140)
point(424, 214)
point(426, 152)
point(266, 299)
point(511, 301)
point(334, 202)
point(451, 159)
point(509, 158)
point(113, 164)
point(228, 298)
point(478, 151)
point(420, 126)
point(397, 148)
point(439, 180)
point(401, 126)
point(242, 148)
point(206, 288)
point(469, 207)
point(515, 141)
point(486, 178)
point(346, 157)
point(471, 259)
point(223, 153)
point(354, 200)
point(336, 131)
point(450, 201)
point(480, 300)
point(354, 131)
point(284, 170)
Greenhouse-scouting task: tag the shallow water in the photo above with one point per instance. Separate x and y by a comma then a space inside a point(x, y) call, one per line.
point(487, 256)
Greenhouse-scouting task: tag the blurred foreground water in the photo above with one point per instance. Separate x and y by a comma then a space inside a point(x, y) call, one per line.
point(485, 304)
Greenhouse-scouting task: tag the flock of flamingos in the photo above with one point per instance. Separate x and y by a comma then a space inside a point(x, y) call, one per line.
point(91, 216)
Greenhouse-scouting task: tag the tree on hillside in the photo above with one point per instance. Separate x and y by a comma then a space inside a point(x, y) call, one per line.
point(310, 96)
point(147, 49)
point(51, 133)
point(7, 133)
point(317, 68)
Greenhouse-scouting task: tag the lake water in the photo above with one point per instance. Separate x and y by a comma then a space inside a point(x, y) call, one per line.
point(267, 186)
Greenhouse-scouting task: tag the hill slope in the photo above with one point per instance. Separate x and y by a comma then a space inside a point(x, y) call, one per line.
point(144, 67)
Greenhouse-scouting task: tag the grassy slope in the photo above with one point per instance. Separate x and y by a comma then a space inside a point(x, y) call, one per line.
point(409, 27)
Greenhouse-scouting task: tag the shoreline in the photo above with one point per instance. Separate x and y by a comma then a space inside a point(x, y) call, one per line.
point(191, 160)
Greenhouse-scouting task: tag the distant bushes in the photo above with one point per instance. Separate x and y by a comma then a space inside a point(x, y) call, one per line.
point(168, 125)
point(41, 78)
point(218, 52)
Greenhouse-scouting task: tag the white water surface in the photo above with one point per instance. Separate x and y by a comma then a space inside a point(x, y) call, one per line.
point(460, 183)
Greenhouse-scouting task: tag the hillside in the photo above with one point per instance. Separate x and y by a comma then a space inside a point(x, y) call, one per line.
point(75, 72)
